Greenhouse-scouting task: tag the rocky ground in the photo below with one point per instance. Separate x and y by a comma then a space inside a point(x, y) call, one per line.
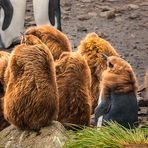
point(124, 23)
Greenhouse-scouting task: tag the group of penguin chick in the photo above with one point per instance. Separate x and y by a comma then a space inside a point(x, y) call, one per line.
point(43, 80)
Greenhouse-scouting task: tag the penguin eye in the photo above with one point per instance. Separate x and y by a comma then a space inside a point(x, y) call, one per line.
point(110, 65)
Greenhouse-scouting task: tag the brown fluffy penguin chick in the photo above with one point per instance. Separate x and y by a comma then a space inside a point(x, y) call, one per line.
point(119, 76)
point(4, 58)
point(118, 93)
point(92, 47)
point(55, 40)
point(74, 80)
point(31, 98)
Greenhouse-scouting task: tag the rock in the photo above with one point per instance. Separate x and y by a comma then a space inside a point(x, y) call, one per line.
point(126, 55)
point(134, 46)
point(144, 4)
point(143, 111)
point(132, 35)
point(105, 8)
point(108, 14)
point(120, 9)
point(102, 34)
point(83, 17)
point(81, 29)
point(93, 14)
point(133, 16)
point(48, 137)
point(65, 18)
point(67, 8)
point(132, 6)
point(112, 0)
point(118, 19)
point(86, 1)
point(143, 102)
point(66, 3)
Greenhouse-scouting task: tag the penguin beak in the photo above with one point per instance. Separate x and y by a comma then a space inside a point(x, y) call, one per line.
point(8, 13)
point(105, 56)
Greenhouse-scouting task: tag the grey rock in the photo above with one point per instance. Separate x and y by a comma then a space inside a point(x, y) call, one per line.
point(105, 8)
point(81, 29)
point(93, 14)
point(143, 111)
point(65, 18)
point(144, 4)
point(108, 14)
point(103, 34)
point(86, 1)
point(66, 3)
point(48, 137)
point(143, 102)
point(132, 6)
point(112, 0)
point(83, 17)
point(133, 16)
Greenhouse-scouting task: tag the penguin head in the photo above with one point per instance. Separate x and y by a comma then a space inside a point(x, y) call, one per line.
point(117, 65)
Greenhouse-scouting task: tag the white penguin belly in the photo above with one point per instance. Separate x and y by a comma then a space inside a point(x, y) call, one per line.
point(41, 12)
point(100, 119)
point(16, 25)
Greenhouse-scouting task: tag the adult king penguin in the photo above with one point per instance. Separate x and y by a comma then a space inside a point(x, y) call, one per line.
point(12, 16)
point(11, 21)
point(47, 12)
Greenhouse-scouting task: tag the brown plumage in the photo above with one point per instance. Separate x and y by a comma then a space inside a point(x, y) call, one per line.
point(118, 77)
point(74, 80)
point(118, 93)
point(92, 47)
point(4, 57)
point(31, 97)
point(55, 40)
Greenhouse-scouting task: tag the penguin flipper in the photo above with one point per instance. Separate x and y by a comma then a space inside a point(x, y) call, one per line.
point(8, 13)
point(52, 10)
point(102, 109)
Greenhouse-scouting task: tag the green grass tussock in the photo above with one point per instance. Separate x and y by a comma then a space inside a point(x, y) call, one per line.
point(112, 136)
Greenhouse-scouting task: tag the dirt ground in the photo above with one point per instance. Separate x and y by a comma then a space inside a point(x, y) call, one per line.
point(124, 23)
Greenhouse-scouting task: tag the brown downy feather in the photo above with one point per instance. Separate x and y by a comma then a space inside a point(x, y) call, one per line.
point(31, 99)
point(92, 47)
point(55, 40)
point(74, 80)
point(4, 58)
point(118, 77)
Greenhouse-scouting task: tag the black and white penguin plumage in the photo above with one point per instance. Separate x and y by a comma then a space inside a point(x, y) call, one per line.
point(47, 12)
point(12, 16)
point(10, 30)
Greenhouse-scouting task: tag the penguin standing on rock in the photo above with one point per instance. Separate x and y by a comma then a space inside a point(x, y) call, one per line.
point(118, 89)
point(12, 16)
